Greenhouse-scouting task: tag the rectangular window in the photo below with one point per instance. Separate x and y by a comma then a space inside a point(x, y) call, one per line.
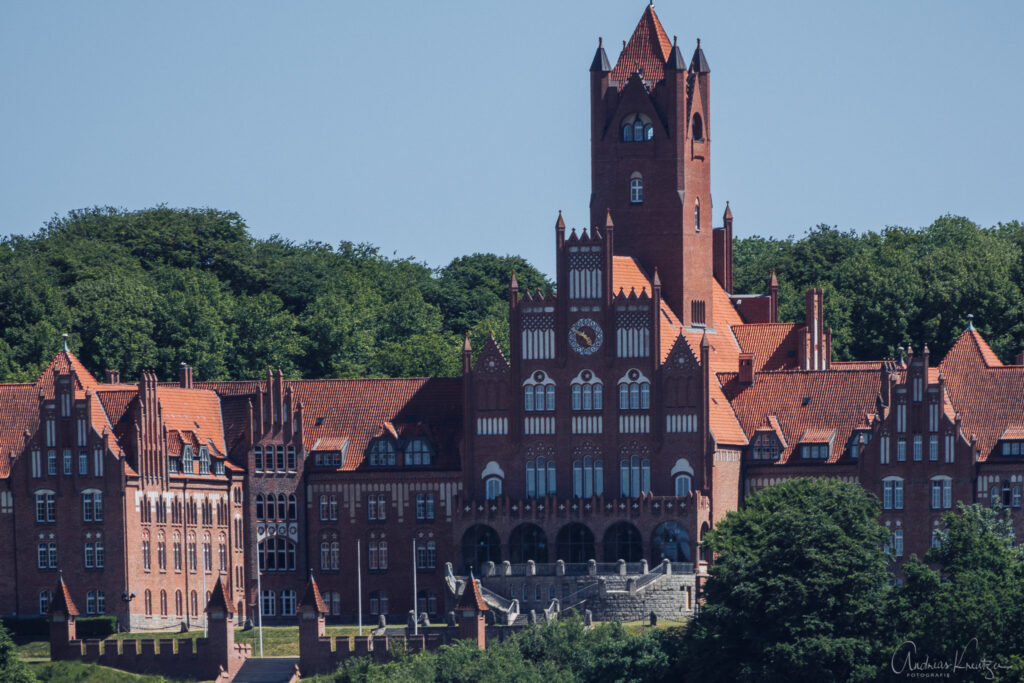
point(52, 549)
point(82, 432)
point(1015, 500)
point(292, 460)
point(897, 540)
point(898, 495)
point(89, 556)
point(901, 449)
point(426, 555)
point(424, 506)
point(42, 556)
point(37, 464)
point(936, 494)
point(51, 462)
point(918, 389)
point(97, 464)
point(933, 448)
point(901, 417)
point(101, 603)
point(933, 417)
point(377, 507)
point(947, 494)
point(51, 433)
point(100, 556)
point(67, 462)
point(949, 448)
point(892, 494)
point(90, 603)
point(883, 451)
point(83, 463)
point(917, 448)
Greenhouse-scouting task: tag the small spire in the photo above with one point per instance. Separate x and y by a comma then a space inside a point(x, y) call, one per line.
point(600, 63)
point(608, 219)
point(560, 224)
point(728, 211)
point(970, 321)
point(774, 282)
point(514, 284)
point(675, 61)
point(466, 348)
point(704, 343)
point(699, 64)
point(657, 280)
point(65, 336)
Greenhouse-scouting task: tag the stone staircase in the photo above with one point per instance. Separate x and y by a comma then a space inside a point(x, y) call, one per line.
point(268, 670)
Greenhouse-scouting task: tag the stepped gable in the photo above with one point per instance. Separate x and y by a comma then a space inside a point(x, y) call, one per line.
point(648, 49)
point(65, 363)
point(838, 400)
point(776, 346)
point(19, 410)
point(988, 396)
point(359, 410)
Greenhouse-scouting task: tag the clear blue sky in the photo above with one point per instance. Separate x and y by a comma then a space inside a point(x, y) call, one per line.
point(435, 129)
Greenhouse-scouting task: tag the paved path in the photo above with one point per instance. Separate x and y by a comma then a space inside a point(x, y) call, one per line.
point(267, 670)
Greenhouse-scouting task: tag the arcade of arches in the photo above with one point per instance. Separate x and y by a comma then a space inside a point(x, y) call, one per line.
point(575, 544)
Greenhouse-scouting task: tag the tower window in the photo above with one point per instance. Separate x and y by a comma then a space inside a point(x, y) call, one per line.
point(696, 215)
point(698, 128)
point(636, 189)
point(637, 128)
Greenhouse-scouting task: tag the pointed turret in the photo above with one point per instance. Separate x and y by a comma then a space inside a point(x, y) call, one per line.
point(600, 63)
point(699, 63)
point(647, 50)
point(675, 62)
point(773, 295)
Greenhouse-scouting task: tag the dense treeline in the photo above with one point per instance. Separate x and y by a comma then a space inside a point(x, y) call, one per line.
point(153, 288)
point(901, 286)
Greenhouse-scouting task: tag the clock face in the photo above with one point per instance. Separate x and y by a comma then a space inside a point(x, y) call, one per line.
point(585, 336)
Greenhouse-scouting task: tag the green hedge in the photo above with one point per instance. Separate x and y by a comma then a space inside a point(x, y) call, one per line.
point(96, 627)
point(32, 626)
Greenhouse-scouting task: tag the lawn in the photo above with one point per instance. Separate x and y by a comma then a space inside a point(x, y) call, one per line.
point(87, 673)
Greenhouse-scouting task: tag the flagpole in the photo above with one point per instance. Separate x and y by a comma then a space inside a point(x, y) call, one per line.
point(259, 599)
point(359, 583)
point(415, 594)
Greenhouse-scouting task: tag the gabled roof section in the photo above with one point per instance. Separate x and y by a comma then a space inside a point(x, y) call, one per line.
point(823, 404)
point(19, 410)
point(775, 346)
point(62, 601)
point(491, 358)
point(648, 50)
point(988, 396)
point(311, 597)
point(217, 598)
point(195, 413)
point(471, 597)
point(357, 410)
point(771, 426)
point(65, 363)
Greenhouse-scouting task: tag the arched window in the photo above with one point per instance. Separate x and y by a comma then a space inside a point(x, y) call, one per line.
point(276, 554)
point(381, 452)
point(698, 128)
point(622, 541)
point(637, 128)
point(528, 542)
point(293, 512)
point(163, 603)
point(683, 485)
point(418, 453)
point(282, 507)
point(540, 478)
point(696, 214)
point(480, 544)
point(186, 460)
point(670, 542)
point(587, 477)
point(493, 487)
point(636, 188)
point(634, 391)
point(260, 514)
point(627, 132)
point(177, 603)
point(539, 393)
point(148, 599)
point(587, 391)
point(575, 543)
point(634, 477)
point(204, 460)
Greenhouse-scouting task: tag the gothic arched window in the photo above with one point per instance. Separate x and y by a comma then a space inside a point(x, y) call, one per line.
point(636, 188)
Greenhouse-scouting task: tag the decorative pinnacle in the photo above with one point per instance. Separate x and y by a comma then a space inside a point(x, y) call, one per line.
point(65, 335)
point(970, 321)
point(675, 40)
point(600, 41)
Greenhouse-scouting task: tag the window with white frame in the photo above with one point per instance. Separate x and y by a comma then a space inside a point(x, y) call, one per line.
point(942, 493)
point(933, 448)
point(814, 451)
point(268, 603)
point(377, 507)
point(933, 416)
point(424, 507)
point(377, 557)
point(83, 463)
point(44, 601)
point(901, 449)
point(637, 128)
point(426, 555)
point(97, 463)
point(539, 393)
point(68, 465)
point(1013, 448)
point(918, 388)
point(288, 603)
point(293, 461)
point(204, 460)
point(901, 417)
point(918, 447)
point(51, 462)
point(492, 488)
point(378, 602)
point(883, 450)
point(92, 506)
point(950, 452)
point(892, 493)
point(46, 506)
point(636, 188)
point(897, 542)
point(684, 483)
point(765, 446)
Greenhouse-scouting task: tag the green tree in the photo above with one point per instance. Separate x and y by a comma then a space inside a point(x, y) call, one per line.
point(12, 669)
point(797, 590)
point(974, 591)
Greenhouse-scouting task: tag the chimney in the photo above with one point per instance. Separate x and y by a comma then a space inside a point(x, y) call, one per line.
point(113, 376)
point(746, 369)
point(185, 376)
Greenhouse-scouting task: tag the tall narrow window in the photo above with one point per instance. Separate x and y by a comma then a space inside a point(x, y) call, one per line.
point(636, 189)
point(696, 214)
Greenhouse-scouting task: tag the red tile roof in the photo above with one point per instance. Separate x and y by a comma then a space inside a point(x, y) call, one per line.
point(218, 599)
point(988, 396)
point(471, 597)
point(19, 410)
point(358, 410)
point(839, 399)
point(648, 49)
point(875, 365)
point(63, 363)
point(312, 596)
point(775, 346)
point(62, 600)
point(194, 412)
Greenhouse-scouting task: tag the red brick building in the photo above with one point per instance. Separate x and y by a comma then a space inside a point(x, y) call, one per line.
point(637, 406)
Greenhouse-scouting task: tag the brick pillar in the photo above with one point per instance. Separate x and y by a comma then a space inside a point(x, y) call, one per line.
point(62, 616)
point(220, 639)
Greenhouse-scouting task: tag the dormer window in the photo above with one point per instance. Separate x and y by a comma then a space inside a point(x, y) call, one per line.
point(418, 453)
point(766, 446)
point(204, 460)
point(381, 453)
point(1013, 448)
point(636, 188)
point(186, 460)
point(637, 128)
